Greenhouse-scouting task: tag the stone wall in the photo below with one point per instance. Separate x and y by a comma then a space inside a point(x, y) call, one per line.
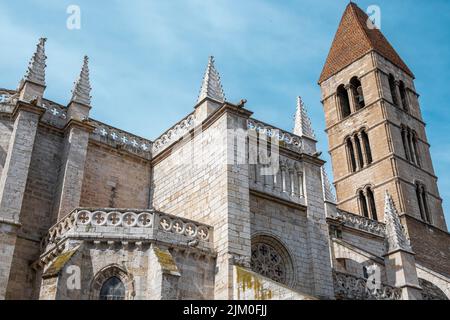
point(113, 179)
point(36, 214)
point(6, 126)
point(147, 271)
point(252, 286)
point(288, 225)
point(198, 180)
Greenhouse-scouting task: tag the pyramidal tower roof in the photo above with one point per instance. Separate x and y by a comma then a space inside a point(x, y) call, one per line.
point(36, 68)
point(356, 36)
point(211, 85)
point(81, 92)
point(302, 122)
point(395, 233)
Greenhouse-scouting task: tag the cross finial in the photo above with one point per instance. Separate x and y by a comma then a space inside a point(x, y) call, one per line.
point(211, 85)
point(302, 122)
point(81, 92)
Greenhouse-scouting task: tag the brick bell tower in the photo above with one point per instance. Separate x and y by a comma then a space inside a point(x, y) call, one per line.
point(377, 138)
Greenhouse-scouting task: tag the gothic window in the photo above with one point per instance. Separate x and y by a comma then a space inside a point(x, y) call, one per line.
point(371, 200)
point(112, 283)
point(357, 93)
point(365, 140)
point(363, 204)
point(415, 147)
point(421, 195)
point(393, 89)
point(401, 87)
point(410, 145)
point(367, 204)
point(405, 143)
point(430, 291)
point(359, 151)
point(351, 154)
point(270, 259)
point(344, 102)
point(112, 289)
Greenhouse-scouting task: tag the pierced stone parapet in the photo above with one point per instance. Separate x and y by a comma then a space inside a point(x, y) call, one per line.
point(116, 137)
point(132, 224)
point(360, 222)
point(350, 287)
point(286, 139)
point(173, 134)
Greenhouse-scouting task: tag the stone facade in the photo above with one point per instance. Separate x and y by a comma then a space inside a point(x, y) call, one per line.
point(89, 211)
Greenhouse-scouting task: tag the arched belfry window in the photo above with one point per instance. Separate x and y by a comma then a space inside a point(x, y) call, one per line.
point(344, 102)
point(351, 155)
point(422, 200)
point(393, 89)
point(410, 145)
point(359, 151)
point(363, 204)
point(365, 141)
point(357, 93)
point(403, 98)
point(112, 289)
point(371, 203)
point(359, 154)
point(367, 205)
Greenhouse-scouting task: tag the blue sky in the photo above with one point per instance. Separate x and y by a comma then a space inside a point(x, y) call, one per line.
point(147, 58)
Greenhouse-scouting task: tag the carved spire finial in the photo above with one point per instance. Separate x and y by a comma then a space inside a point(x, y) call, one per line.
point(211, 86)
point(395, 233)
point(328, 194)
point(302, 123)
point(36, 68)
point(81, 92)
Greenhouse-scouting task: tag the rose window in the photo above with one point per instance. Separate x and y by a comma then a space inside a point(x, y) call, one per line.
point(268, 262)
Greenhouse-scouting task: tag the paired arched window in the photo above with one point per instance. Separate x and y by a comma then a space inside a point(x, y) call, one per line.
point(410, 145)
point(344, 102)
point(398, 93)
point(358, 151)
point(367, 207)
point(421, 195)
point(350, 97)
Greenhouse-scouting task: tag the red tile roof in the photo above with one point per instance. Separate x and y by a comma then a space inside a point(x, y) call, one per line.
point(353, 40)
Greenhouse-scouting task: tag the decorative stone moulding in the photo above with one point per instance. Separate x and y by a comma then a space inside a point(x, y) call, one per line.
point(289, 140)
point(114, 137)
point(99, 221)
point(174, 133)
point(361, 223)
point(347, 286)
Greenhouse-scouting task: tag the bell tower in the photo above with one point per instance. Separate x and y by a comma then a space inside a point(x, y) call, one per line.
point(376, 135)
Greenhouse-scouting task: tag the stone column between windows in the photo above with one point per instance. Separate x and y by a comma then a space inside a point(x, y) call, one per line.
point(363, 148)
point(356, 153)
point(397, 93)
point(351, 97)
point(406, 144)
point(291, 177)
point(410, 145)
